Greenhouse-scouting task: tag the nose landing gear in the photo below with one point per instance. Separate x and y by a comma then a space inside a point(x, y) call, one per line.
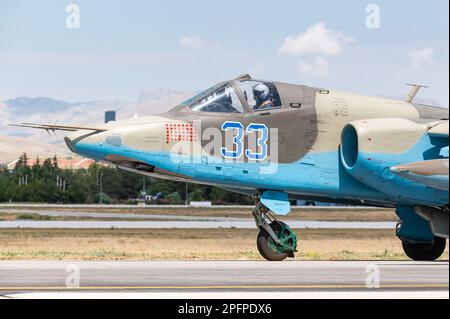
point(276, 240)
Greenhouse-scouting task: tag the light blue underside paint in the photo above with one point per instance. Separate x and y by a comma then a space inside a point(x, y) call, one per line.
point(319, 174)
point(375, 171)
point(444, 152)
point(277, 202)
point(326, 178)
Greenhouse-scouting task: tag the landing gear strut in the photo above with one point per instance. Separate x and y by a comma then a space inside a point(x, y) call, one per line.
point(276, 240)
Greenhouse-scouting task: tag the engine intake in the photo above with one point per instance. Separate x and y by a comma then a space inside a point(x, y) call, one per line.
point(349, 146)
point(370, 148)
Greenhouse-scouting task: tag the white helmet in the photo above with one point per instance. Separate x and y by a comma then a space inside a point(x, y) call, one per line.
point(260, 91)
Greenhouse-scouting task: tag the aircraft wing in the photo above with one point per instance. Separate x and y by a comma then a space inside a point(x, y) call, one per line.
point(53, 128)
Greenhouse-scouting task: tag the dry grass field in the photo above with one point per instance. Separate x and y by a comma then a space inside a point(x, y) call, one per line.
point(317, 214)
point(182, 244)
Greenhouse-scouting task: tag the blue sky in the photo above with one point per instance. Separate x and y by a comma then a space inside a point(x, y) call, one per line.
point(123, 47)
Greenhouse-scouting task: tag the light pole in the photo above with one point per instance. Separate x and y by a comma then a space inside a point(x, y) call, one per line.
point(101, 188)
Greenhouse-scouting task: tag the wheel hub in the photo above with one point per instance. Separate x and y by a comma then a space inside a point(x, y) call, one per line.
point(288, 239)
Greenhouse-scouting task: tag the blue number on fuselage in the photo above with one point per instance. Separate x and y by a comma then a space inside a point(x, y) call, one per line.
point(261, 144)
point(238, 144)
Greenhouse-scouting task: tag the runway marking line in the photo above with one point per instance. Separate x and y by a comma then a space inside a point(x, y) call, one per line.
point(317, 287)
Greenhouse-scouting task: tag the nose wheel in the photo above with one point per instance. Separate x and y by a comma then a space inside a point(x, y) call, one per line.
point(276, 240)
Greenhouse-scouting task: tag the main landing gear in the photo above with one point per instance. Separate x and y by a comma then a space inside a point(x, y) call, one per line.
point(276, 240)
point(424, 251)
point(422, 231)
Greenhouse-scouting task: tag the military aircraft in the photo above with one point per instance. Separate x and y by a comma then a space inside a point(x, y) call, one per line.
point(281, 142)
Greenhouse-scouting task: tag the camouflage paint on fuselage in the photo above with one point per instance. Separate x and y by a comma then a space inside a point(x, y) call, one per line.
point(309, 125)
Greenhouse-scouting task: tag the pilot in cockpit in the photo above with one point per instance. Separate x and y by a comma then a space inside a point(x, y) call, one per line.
point(263, 97)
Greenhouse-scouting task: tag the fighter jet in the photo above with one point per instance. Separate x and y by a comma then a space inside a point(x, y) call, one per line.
point(282, 142)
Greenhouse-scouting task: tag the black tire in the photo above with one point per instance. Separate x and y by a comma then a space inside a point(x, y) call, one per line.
point(265, 250)
point(425, 252)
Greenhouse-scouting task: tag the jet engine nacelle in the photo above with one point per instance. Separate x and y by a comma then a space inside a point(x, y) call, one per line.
point(370, 148)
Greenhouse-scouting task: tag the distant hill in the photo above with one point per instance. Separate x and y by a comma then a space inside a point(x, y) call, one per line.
point(14, 141)
point(47, 109)
point(162, 94)
point(28, 105)
point(158, 101)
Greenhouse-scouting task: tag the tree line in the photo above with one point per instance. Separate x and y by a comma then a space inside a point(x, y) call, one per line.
point(45, 182)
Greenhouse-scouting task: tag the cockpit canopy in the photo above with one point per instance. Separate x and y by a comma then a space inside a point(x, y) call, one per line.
point(237, 96)
point(259, 95)
point(222, 100)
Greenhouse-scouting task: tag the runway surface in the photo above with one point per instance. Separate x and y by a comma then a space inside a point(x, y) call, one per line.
point(138, 220)
point(232, 279)
point(120, 216)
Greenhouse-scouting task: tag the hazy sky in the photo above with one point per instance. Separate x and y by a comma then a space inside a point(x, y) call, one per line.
point(123, 47)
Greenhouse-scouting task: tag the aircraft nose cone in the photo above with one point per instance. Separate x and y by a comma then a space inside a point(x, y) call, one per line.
point(73, 138)
point(118, 138)
point(70, 140)
point(70, 144)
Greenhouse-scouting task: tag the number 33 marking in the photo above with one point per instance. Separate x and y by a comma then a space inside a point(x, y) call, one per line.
point(238, 141)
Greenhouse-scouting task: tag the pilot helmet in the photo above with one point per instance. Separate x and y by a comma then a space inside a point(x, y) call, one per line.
point(260, 91)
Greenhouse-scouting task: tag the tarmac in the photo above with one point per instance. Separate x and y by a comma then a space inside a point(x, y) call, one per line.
point(224, 279)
